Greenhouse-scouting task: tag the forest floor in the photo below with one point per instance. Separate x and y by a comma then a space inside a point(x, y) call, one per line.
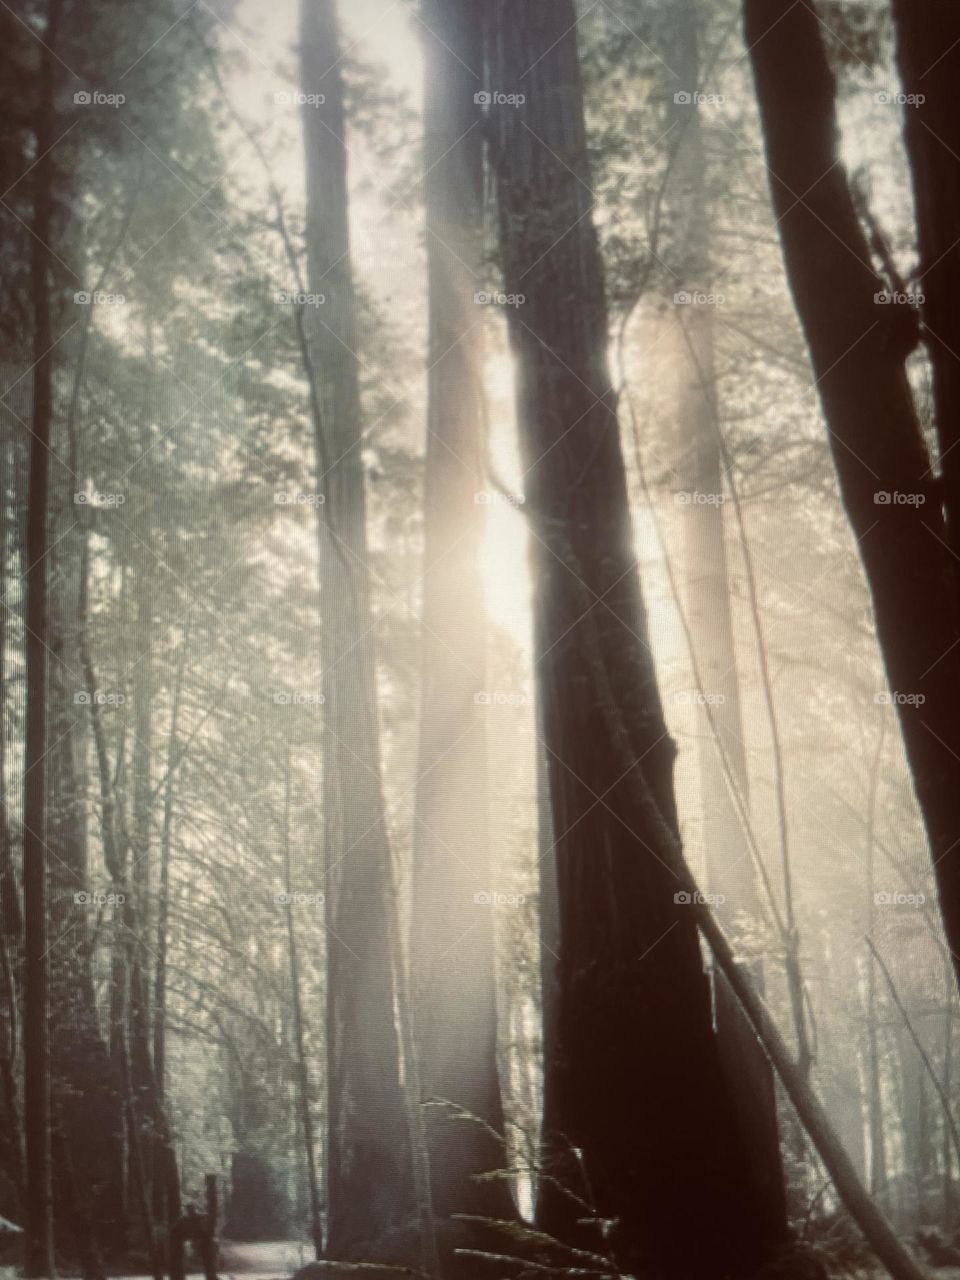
point(266, 1260)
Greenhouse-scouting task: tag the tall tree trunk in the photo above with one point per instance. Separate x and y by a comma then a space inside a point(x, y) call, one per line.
point(299, 1044)
point(166, 1206)
point(720, 745)
point(452, 934)
point(38, 1254)
point(636, 1104)
point(11, 916)
point(86, 1091)
point(137, 916)
point(858, 351)
point(369, 1179)
point(928, 51)
point(11, 913)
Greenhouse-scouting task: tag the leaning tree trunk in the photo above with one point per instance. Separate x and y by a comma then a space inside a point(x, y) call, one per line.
point(452, 934)
point(858, 351)
point(369, 1168)
point(38, 1254)
point(928, 50)
point(637, 1112)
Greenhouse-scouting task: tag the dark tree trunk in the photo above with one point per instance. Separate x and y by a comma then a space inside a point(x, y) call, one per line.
point(858, 351)
point(452, 941)
point(928, 50)
point(11, 913)
point(11, 916)
point(633, 1079)
point(38, 1254)
point(369, 1167)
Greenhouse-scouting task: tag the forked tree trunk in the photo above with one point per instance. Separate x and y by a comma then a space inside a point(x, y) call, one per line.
point(452, 933)
point(369, 1168)
point(858, 350)
point(637, 1111)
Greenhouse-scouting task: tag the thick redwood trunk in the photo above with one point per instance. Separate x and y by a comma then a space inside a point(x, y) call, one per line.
point(858, 353)
point(369, 1170)
point(633, 1076)
point(452, 936)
